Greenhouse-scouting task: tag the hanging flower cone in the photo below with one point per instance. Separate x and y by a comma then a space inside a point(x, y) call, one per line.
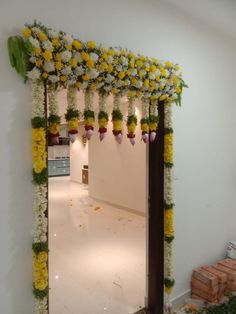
point(153, 120)
point(54, 119)
point(72, 115)
point(102, 115)
point(132, 120)
point(145, 120)
point(89, 115)
point(117, 119)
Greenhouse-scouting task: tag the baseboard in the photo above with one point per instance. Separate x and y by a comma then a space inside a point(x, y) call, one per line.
point(180, 299)
point(133, 211)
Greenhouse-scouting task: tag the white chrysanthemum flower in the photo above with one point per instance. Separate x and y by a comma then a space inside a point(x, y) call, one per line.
point(53, 78)
point(108, 88)
point(66, 70)
point(157, 72)
point(34, 74)
point(119, 83)
point(66, 56)
point(32, 59)
point(163, 81)
point(49, 66)
point(77, 57)
point(110, 59)
point(93, 73)
point(167, 73)
point(71, 81)
point(99, 85)
point(127, 82)
point(133, 72)
point(68, 39)
point(47, 45)
point(125, 62)
point(84, 85)
point(52, 33)
point(34, 42)
point(151, 76)
point(109, 78)
point(117, 50)
point(139, 84)
point(93, 56)
point(79, 70)
point(166, 89)
point(175, 96)
point(37, 95)
point(36, 30)
point(119, 68)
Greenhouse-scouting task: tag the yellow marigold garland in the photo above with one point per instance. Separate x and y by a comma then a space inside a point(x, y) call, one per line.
point(41, 271)
point(39, 149)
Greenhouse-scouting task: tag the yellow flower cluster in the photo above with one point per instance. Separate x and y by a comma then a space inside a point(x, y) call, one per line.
point(54, 128)
point(168, 148)
point(73, 124)
point(117, 125)
point(169, 223)
point(132, 127)
point(41, 271)
point(102, 123)
point(39, 149)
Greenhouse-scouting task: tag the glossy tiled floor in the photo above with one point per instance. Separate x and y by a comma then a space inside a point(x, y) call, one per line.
point(97, 254)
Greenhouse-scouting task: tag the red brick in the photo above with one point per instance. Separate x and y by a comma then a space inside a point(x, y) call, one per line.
point(221, 276)
point(203, 287)
point(228, 271)
point(206, 277)
point(228, 263)
point(204, 295)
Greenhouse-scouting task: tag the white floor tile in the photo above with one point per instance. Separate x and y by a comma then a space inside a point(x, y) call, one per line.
point(97, 254)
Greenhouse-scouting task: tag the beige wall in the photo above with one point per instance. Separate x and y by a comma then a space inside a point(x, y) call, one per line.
point(117, 173)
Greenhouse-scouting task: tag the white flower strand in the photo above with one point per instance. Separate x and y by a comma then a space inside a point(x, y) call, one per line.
point(153, 107)
point(89, 99)
point(168, 197)
point(131, 106)
point(117, 101)
point(72, 97)
point(102, 102)
point(39, 208)
point(52, 100)
point(41, 306)
point(37, 96)
point(145, 107)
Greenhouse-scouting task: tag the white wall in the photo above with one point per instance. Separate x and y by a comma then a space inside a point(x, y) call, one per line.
point(117, 173)
point(78, 157)
point(205, 146)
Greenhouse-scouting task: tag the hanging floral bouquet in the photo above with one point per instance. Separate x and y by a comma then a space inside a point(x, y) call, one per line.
point(153, 120)
point(54, 119)
point(89, 115)
point(117, 118)
point(72, 114)
point(102, 115)
point(132, 120)
point(145, 120)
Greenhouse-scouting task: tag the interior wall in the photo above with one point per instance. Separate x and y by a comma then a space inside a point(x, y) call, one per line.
point(117, 173)
point(205, 146)
point(78, 157)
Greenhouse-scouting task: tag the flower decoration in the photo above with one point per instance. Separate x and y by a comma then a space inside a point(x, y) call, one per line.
point(102, 115)
point(153, 119)
point(39, 197)
point(89, 115)
point(54, 119)
point(168, 198)
point(117, 118)
point(72, 114)
point(45, 56)
point(145, 120)
point(132, 120)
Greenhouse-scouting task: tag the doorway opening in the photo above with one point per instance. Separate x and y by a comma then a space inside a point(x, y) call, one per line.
point(98, 195)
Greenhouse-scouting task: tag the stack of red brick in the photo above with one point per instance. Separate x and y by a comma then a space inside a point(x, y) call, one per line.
point(212, 283)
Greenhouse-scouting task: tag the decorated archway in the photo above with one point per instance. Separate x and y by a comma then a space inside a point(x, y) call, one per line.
point(50, 60)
